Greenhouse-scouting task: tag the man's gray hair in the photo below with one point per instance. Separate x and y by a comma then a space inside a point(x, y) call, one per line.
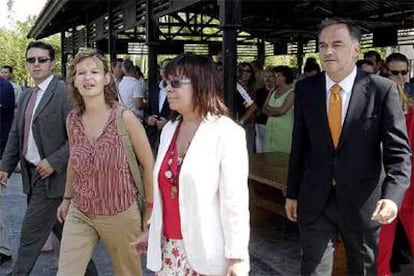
point(353, 29)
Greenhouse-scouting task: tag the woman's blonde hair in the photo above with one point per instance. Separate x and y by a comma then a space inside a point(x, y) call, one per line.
point(74, 94)
point(403, 99)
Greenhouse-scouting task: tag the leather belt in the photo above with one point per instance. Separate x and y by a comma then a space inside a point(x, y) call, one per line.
point(30, 165)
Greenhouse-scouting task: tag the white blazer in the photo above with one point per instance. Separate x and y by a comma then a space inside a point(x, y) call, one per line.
point(213, 197)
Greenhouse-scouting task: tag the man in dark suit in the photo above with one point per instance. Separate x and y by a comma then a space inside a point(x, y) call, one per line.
point(38, 139)
point(7, 105)
point(342, 117)
point(6, 111)
point(158, 110)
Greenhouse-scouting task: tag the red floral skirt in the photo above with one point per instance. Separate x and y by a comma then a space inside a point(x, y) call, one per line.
point(174, 260)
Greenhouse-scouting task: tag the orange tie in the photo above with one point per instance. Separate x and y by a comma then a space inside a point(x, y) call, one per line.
point(335, 114)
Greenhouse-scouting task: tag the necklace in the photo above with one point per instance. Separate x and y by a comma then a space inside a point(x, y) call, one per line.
point(174, 165)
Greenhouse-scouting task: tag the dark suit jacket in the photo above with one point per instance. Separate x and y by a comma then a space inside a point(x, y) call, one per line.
point(374, 116)
point(7, 104)
point(152, 109)
point(49, 131)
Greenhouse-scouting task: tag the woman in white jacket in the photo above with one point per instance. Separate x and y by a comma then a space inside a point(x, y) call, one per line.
point(200, 219)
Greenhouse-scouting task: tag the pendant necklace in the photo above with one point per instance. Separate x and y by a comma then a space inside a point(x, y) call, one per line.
point(169, 174)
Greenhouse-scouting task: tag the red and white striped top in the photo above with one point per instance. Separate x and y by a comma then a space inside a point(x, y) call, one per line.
point(103, 184)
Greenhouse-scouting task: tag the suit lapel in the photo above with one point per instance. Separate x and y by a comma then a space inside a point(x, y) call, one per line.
point(46, 98)
point(23, 110)
point(165, 108)
point(357, 104)
point(320, 101)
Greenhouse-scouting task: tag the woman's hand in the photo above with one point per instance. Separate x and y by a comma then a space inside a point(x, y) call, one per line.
point(141, 244)
point(236, 267)
point(63, 210)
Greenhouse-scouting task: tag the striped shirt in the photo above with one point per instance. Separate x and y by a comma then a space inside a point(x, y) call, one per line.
point(103, 184)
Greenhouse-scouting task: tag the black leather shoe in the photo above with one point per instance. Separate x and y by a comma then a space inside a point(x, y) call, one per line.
point(4, 258)
point(403, 259)
point(395, 268)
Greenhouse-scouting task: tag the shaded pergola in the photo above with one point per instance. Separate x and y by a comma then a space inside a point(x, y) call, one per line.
point(171, 26)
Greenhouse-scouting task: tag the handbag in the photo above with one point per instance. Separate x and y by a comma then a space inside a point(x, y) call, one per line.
point(132, 160)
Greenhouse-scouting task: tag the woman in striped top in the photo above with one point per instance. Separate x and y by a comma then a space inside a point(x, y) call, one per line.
point(100, 195)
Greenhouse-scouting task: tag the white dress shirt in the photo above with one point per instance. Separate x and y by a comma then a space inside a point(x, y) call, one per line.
point(32, 154)
point(129, 90)
point(346, 91)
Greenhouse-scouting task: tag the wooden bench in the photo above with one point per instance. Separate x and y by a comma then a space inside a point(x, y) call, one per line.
point(267, 181)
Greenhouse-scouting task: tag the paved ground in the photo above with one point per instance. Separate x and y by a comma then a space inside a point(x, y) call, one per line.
point(274, 251)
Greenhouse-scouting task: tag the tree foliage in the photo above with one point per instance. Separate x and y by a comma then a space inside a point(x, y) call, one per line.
point(13, 46)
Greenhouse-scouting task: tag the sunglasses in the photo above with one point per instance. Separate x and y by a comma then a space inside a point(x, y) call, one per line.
point(32, 60)
point(396, 72)
point(175, 83)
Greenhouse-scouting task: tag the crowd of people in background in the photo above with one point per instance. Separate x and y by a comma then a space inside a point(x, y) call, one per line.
point(68, 162)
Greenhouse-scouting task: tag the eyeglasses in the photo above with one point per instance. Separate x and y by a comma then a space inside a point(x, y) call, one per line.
point(396, 72)
point(32, 60)
point(175, 83)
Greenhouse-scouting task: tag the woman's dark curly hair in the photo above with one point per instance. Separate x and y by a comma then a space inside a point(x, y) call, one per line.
point(74, 94)
point(286, 72)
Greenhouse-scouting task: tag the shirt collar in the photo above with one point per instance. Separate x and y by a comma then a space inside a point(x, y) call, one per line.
point(44, 84)
point(346, 84)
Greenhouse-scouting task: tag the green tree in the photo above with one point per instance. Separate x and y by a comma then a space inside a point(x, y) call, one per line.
point(13, 47)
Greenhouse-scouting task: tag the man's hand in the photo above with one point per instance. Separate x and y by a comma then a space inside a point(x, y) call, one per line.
point(3, 180)
point(152, 120)
point(385, 212)
point(291, 207)
point(44, 169)
point(161, 122)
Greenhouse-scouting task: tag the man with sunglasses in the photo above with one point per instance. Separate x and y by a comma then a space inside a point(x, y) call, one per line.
point(397, 66)
point(38, 139)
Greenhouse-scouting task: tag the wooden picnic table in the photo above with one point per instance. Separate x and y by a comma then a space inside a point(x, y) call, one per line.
point(267, 180)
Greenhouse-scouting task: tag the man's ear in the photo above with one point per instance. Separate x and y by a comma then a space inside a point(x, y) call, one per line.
point(357, 50)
